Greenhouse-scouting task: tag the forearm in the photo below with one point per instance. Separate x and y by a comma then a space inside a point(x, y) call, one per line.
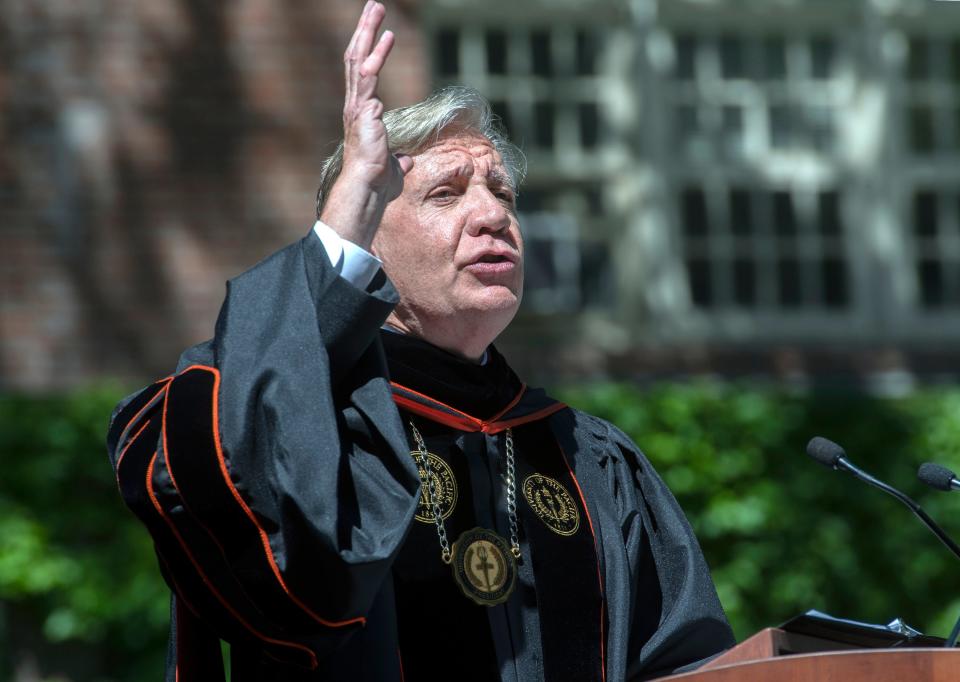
point(354, 210)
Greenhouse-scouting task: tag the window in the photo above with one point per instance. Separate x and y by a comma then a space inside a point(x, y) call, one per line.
point(544, 80)
point(763, 249)
point(788, 174)
point(752, 239)
point(932, 75)
point(567, 268)
point(936, 235)
point(745, 96)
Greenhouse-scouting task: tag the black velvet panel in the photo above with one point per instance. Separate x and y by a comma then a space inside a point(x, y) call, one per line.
point(565, 567)
point(437, 623)
point(136, 483)
point(128, 419)
point(194, 643)
point(193, 460)
point(478, 390)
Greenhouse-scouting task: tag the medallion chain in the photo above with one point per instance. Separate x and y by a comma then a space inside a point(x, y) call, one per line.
point(512, 496)
point(432, 491)
point(510, 484)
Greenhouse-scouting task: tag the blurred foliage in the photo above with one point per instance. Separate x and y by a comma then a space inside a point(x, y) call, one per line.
point(80, 591)
point(783, 534)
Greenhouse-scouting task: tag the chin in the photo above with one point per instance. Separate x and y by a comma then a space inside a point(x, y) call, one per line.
point(496, 299)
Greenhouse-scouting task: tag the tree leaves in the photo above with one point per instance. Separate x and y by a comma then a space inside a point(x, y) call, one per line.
point(783, 534)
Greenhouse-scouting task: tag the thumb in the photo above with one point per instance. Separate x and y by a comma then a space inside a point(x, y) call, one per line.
point(405, 161)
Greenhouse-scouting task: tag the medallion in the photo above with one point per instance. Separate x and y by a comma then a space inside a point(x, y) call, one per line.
point(483, 567)
point(552, 504)
point(444, 488)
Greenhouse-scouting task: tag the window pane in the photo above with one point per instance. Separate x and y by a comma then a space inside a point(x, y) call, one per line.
point(540, 270)
point(784, 218)
point(586, 53)
point(544, 116)
point(733, 129)
point(731, 57)
point(686, 68)
point(686, 125)
point(540, 54)
point(775, 58)
point(918, 59)
point(531, 201)
point(448, 52)
point(741, 218)
point(820, 127)
point(594, 197)
point(834, 282)
point(744, 282)
point(694, 210)
point(822, 56)
point(921, 129)
point(596, 274)
point(701, 291)
point(496, 43)
point(931, 283)
point(589, 119)
point(781, 133)
point(788, 272)
point(925, 214)
point(501, 110)
point(828, 214)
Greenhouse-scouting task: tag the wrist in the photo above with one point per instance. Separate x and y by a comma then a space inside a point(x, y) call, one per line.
point(354, 209)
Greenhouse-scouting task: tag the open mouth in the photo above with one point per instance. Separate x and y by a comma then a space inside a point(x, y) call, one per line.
point(491, 258)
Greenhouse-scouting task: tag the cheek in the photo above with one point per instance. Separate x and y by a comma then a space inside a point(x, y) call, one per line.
point(436, 238)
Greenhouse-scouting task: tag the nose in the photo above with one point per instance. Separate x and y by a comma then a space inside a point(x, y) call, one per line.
point(486, 211)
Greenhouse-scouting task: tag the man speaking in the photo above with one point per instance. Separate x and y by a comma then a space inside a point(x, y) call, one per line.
point(348, 482)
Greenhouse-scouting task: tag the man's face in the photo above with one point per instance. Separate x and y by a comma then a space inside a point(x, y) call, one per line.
point(451, 242)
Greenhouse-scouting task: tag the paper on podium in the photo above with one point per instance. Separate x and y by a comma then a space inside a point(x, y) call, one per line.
point(866, 635)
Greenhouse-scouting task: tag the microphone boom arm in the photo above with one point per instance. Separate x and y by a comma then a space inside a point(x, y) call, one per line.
point(843, 464)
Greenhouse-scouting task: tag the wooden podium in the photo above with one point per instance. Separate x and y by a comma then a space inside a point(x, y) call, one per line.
point(773, 654)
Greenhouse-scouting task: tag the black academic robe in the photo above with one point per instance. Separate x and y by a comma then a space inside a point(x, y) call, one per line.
point(273, 471)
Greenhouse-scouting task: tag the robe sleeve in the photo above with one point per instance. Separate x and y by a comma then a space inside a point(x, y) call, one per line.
point(272, 469)
point(676, 621)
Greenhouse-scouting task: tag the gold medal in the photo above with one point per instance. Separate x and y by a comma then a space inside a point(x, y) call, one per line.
point(483, 567)
point(440, 487)
point(552, 504)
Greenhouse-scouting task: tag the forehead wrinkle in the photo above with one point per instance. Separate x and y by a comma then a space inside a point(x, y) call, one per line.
point(459, 157)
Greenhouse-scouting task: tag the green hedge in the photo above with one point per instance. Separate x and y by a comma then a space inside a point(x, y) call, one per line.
point(782, 533)
point(79, 586)
point(80, 591)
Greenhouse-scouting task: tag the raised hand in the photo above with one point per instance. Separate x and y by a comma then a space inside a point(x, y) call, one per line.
point(371, 177)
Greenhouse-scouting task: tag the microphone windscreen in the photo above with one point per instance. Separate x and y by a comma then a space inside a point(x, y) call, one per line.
point(825, 451)
point(935, 476)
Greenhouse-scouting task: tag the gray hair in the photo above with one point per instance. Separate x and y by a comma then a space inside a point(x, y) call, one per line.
point(412, 129)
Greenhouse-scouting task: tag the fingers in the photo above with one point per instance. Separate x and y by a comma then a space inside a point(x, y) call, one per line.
point(363, 59)
point(371, 65)
point(363, 36)
point(367, 28)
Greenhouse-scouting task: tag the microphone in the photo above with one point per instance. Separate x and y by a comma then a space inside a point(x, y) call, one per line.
point(937, 476)
point(941, 478)
point(833, 456)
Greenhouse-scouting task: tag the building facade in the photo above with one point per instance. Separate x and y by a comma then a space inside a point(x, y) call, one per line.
point(743, 187)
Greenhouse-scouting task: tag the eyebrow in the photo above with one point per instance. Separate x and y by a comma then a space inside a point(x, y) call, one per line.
point(501, 177)
point(497, 175)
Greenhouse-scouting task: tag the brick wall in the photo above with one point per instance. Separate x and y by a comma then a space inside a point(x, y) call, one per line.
point(151, 149)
